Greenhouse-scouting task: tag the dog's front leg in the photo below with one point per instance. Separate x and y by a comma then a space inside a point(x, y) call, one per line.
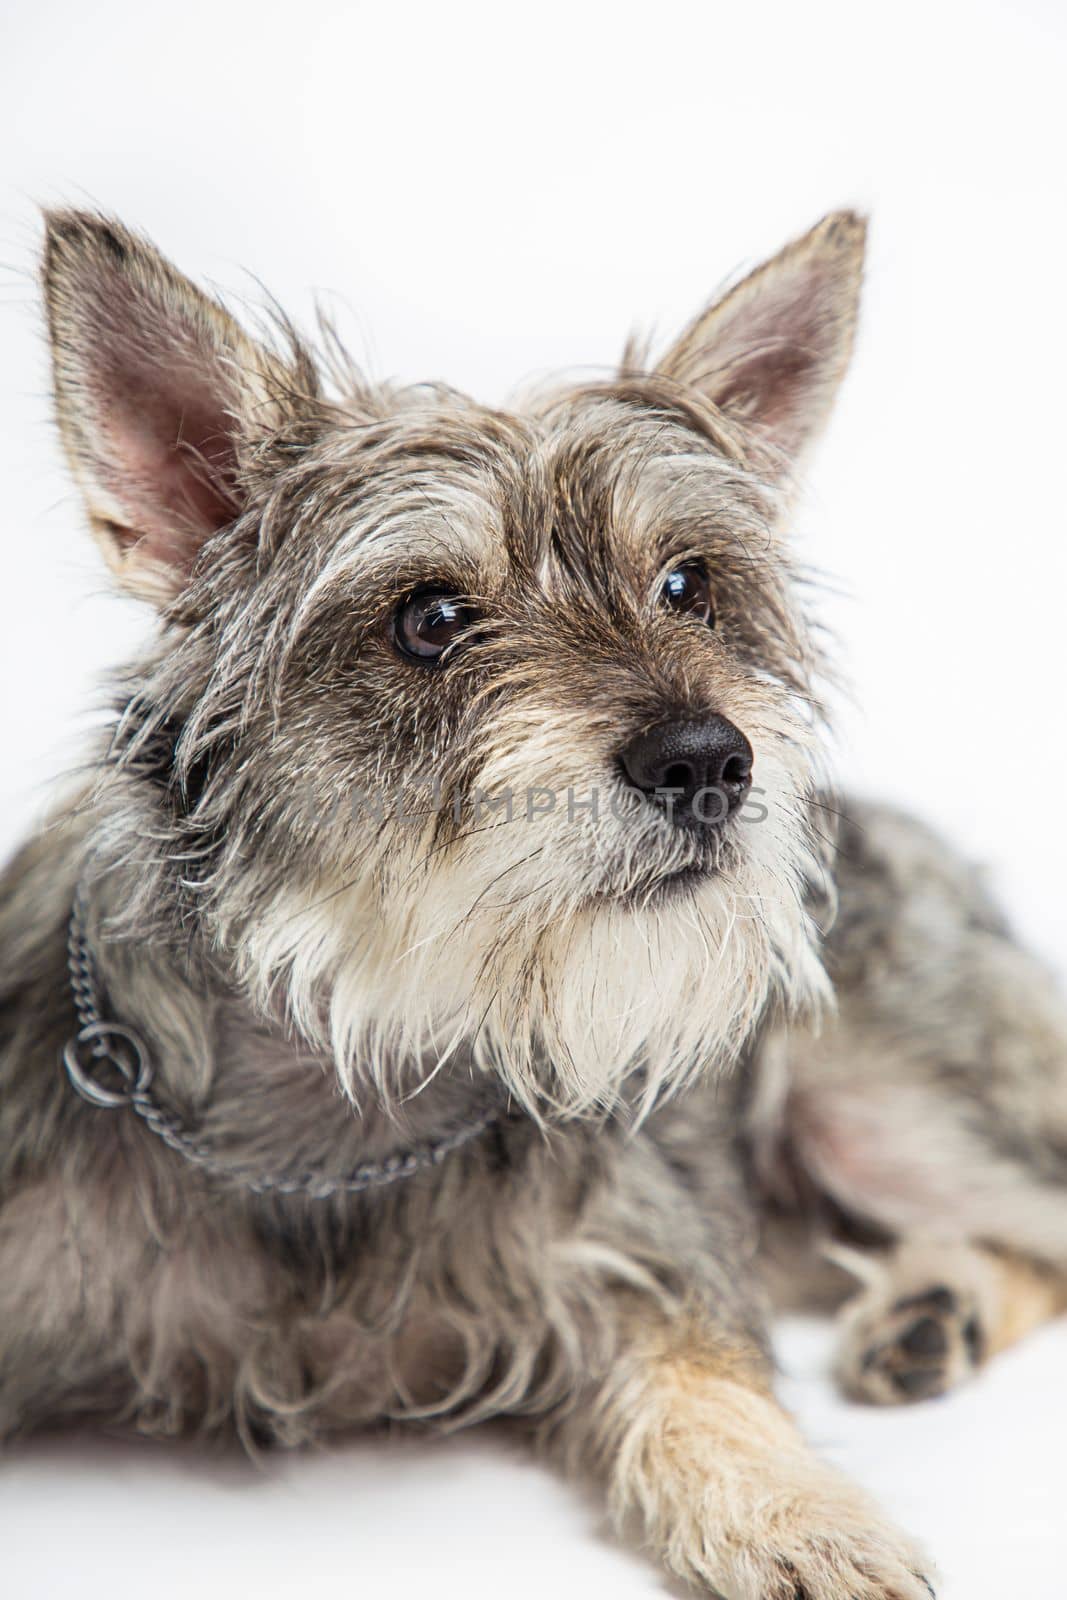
point(702, 1463)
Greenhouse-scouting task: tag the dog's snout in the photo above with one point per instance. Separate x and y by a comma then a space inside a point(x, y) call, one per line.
point(702, 766)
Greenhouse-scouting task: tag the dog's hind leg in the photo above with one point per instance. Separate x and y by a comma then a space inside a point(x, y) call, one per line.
point(930, 1117)
point(967, 1215)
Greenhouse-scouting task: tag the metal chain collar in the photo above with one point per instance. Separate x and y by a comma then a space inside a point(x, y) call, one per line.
point(100, 1042)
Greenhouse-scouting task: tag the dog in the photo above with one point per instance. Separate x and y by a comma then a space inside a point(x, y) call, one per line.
point(453, 991)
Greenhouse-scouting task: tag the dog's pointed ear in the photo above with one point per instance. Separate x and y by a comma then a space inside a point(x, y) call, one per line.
point(157, 389)
point(773, 350)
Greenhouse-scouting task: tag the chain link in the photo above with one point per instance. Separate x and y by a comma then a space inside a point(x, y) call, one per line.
point(114, 1045)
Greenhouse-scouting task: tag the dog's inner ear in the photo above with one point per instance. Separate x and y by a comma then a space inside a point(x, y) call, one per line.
point(773, 350)
point(152, 379)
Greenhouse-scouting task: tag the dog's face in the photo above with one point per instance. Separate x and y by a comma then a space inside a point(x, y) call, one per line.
point(468, 735)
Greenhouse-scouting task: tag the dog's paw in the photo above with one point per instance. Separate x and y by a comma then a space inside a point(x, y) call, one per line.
point(913, 1349)
point(912, 1335)
point(830, 1545)
point(723, 1487)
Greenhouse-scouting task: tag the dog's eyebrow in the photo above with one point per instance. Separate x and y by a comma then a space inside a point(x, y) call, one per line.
point(673, 403)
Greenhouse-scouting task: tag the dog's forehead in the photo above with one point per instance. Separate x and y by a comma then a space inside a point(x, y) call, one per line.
point(443, 479)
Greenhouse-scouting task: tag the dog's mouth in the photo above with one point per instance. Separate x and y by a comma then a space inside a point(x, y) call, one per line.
point(659, 885)
point(667, 886)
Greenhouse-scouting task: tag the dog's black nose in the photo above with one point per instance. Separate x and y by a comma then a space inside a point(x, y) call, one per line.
point(702, 767)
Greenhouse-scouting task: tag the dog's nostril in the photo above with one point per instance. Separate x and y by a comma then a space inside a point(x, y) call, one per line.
point(687, 757)
point(679, 775)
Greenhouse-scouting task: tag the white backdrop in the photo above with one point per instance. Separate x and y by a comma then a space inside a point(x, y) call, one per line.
point(484, 192)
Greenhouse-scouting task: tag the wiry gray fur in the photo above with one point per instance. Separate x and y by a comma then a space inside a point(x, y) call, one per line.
point(318, 984)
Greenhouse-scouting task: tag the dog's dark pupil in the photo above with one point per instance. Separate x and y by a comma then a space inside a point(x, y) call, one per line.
point(687, 589)
point(427, 623)
point(440, 622)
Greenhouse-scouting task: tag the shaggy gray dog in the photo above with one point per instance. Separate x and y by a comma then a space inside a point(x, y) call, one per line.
point(432, 1006)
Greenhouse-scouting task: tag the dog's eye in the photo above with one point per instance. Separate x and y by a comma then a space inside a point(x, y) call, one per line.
point(427, 622)
point(687, 589)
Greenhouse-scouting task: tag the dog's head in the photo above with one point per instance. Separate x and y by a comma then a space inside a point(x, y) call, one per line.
point(467, 734)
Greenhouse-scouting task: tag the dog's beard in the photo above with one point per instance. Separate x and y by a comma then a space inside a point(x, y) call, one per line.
point(579, 959)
